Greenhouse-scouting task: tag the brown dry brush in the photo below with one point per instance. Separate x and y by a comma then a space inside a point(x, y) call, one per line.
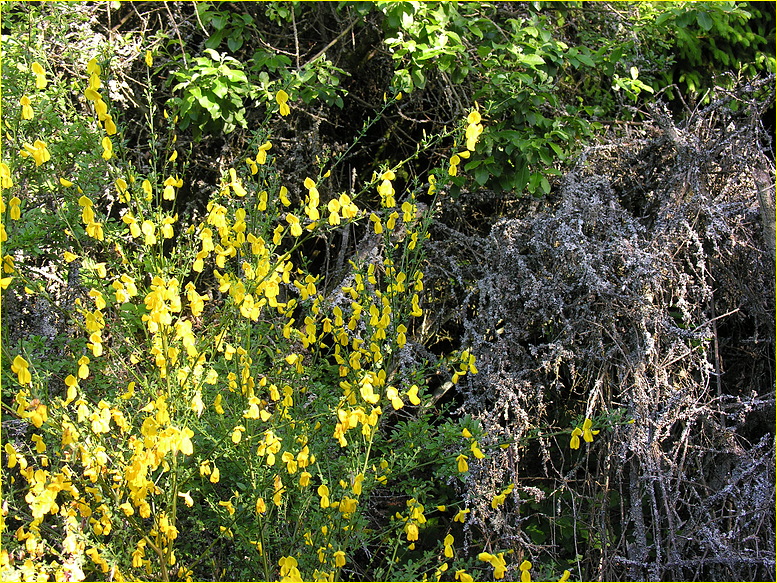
point(642, 290)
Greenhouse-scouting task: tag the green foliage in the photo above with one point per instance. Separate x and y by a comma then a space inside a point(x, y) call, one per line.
point(316, 79)
point(710, 38)
point(228, 26)
point(213, 89)
point(512, 69)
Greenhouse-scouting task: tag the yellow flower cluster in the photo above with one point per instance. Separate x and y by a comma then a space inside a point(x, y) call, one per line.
point(39, 152)
point(497, 562)
point(499, 499)
point(474, 129)
point(123, 450)
point(93, 228)
point(93, 95)
point(282, 99)
point(415, 518)
point(386, 189)
point(466, 364)
point(455, 160)
point(586, 432)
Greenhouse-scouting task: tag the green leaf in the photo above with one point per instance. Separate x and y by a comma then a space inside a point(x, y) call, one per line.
point(419, 79)
point(586, 60)
point(704, 21)
point(531, 60)
point(220, 90)
point(214, 40)
point(235, 42)
point(218, 22)
point(213, 54)
point(484, 51)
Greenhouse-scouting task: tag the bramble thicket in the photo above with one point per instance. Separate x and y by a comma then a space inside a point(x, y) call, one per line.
point(387, 291)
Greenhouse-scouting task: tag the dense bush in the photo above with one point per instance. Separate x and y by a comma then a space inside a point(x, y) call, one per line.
point(274, 308)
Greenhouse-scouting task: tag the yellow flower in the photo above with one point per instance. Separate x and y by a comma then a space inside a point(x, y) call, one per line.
point(376, 223)
point(234, 182)
point(39, 415)
point(21, 368)
point(357, 484)
point(282, 98)
point(107, 148)
point(5, 178)
point(149, 59)
point(261, 507)
point(26, 104)
point(72, 387)
point(187, 498)
point(339, 558)
point(101, 108)
point(453, 169)
point(121, 187)
point(215, 474)
point(228, 505)
point(91, 94)
point(588, 435)
point(237, 434)
point(277, 498)
point(38, 151)
point(15, 210)
point(525, 575)
point(40, 76)
point(93, 67)
point(167, 227)
point(474, 129)
point(217, 405)
point(411, 529)
point(83, 368)
point(462, 466)
point(148, 228)
point(497, 562)
point(574, 442)
point(296, 228)
point(132, 223)
point(412, 394)
point(95, 230)
point(448, 544)
point(261, 156)
point(460, 515)
point(40, 447)
point(110, 125)
point(461, 575)
point(252, 165)
point(323, 492)
point(283, 195)
point(197, 405)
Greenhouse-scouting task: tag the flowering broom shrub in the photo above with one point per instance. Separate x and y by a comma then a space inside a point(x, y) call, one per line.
point(216, 395)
